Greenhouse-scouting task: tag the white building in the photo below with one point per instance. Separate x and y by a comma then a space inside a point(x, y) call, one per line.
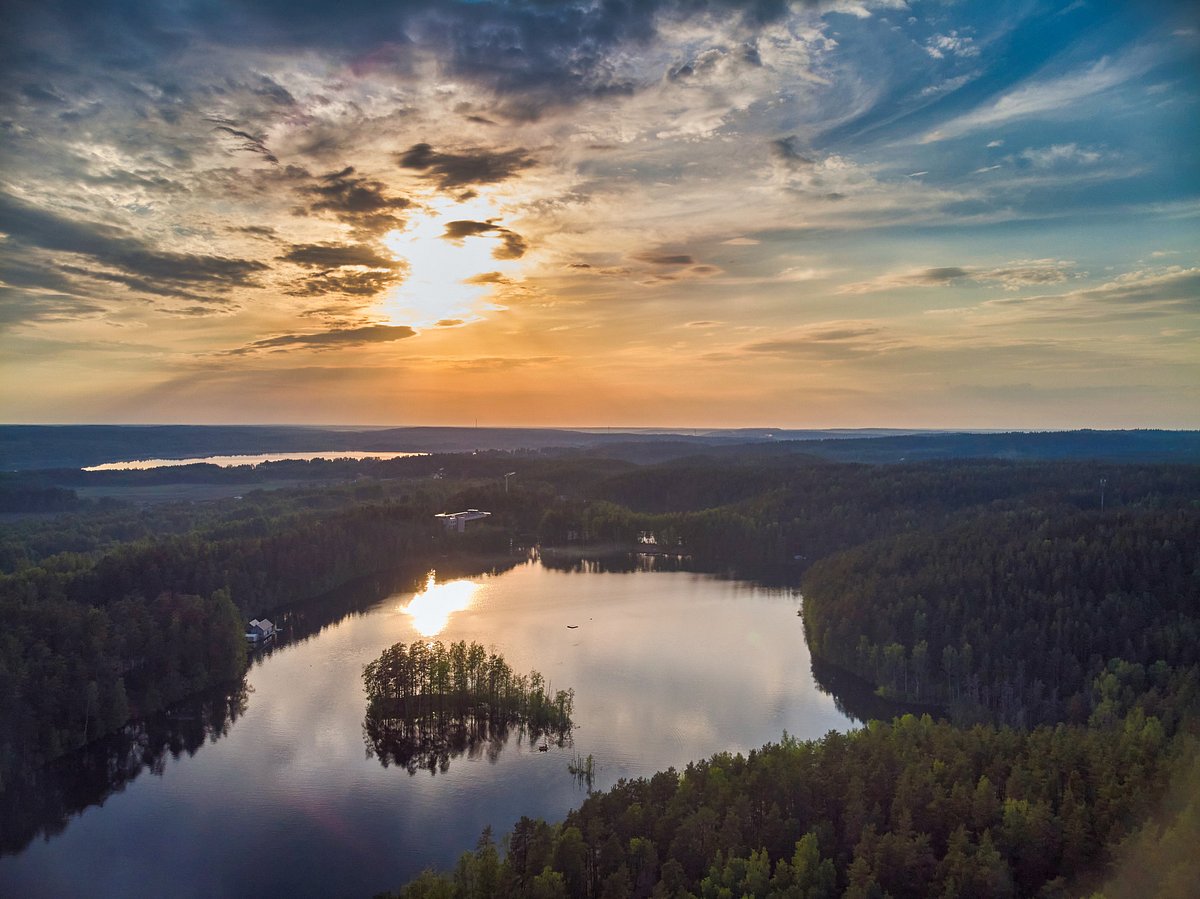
point(457, 521)
point(260, 630)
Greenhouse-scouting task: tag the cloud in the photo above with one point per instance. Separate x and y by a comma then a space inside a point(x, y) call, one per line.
point(953, 43)
point(21, 307)
point(665, 258)
point(500, 363)
point(488, 278)
point(928, 277)
point(340, 337)
point(825, 341)
point(512, 244)
point(325, 255)
point(471, 167)
point(1135, 295)
point(360, 202)
point(1058, 154)
point(1013, 276)
point(346, 283)
point(250, 143)
point(788, 150)
point(1060, 95)
point(137, 263)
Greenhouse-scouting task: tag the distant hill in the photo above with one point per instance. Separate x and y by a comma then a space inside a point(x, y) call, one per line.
point(24, 447)
point(74, 446)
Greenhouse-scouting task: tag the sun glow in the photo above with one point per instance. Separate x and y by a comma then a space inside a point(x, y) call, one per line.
point(431, 609)
point(445, 283)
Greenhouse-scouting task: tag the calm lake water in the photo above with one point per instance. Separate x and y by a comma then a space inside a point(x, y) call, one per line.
point(667, 667)
point(233, 461)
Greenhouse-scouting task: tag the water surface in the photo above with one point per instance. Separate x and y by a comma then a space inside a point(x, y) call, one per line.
point(667, 667)
point(236, 460)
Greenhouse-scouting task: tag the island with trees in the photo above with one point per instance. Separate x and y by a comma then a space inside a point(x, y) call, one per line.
point(427, 703)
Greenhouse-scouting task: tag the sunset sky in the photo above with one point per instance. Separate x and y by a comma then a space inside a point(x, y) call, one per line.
point(699, 213)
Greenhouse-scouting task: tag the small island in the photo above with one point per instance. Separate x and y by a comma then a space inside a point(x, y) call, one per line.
point(427, 703)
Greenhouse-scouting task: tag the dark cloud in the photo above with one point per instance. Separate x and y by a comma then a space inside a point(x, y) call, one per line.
point(460, 229)
point(263, 231)
point(340, 337)
point(450, 323)
point(488, 278)
point(328, 256)
point(939, 275)
point(196, 311)
point(21, 306)
point(135, 260)
point(250, 143)
point(142, 285)
point(789, 150)
point(472, 166)
point(354, 283)
point(665, 259)
point(360, 202)
point(533, 55)
point(512, 244)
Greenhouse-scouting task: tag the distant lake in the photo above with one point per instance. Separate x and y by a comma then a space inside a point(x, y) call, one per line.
point(233, 461)
point(274, 793)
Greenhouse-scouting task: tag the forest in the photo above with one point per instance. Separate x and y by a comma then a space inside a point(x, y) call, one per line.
point(1045, 614)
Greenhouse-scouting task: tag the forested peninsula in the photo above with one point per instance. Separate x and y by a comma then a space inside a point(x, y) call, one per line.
point(1044, 613)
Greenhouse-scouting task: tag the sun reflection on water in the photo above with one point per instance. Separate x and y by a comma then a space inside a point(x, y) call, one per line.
point(431, 609)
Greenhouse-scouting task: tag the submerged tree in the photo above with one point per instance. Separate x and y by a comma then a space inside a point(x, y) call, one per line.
point(427, 702)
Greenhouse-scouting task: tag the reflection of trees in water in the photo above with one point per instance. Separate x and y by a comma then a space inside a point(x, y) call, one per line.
point(427, 703)
point(856, 698)
point(42, 802)
point(622, 562)
point(429, 742)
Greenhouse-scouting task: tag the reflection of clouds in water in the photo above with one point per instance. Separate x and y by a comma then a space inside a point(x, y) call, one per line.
point(431, 609)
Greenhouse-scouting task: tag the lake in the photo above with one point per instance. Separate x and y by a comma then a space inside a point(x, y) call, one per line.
point(251, 459)
point(272, 792)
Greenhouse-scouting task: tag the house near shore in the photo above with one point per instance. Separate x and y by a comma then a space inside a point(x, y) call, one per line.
point(457, 521)
point(260, 631)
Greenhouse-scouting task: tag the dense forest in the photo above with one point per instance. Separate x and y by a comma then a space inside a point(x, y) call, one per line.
point(1049, 609)
point(1016, 617)
point(908, 809)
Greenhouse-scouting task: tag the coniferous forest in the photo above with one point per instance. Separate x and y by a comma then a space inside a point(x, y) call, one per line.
point(1045, 615)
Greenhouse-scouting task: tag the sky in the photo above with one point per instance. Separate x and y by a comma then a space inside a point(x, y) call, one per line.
point(605, 213)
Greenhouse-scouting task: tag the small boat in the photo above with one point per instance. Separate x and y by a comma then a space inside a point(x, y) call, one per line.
point(572, 627)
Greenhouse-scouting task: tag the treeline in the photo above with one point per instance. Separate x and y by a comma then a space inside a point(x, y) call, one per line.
point(911, 809)
point(753, 516)
point(427, 702)
point(1021, 617)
